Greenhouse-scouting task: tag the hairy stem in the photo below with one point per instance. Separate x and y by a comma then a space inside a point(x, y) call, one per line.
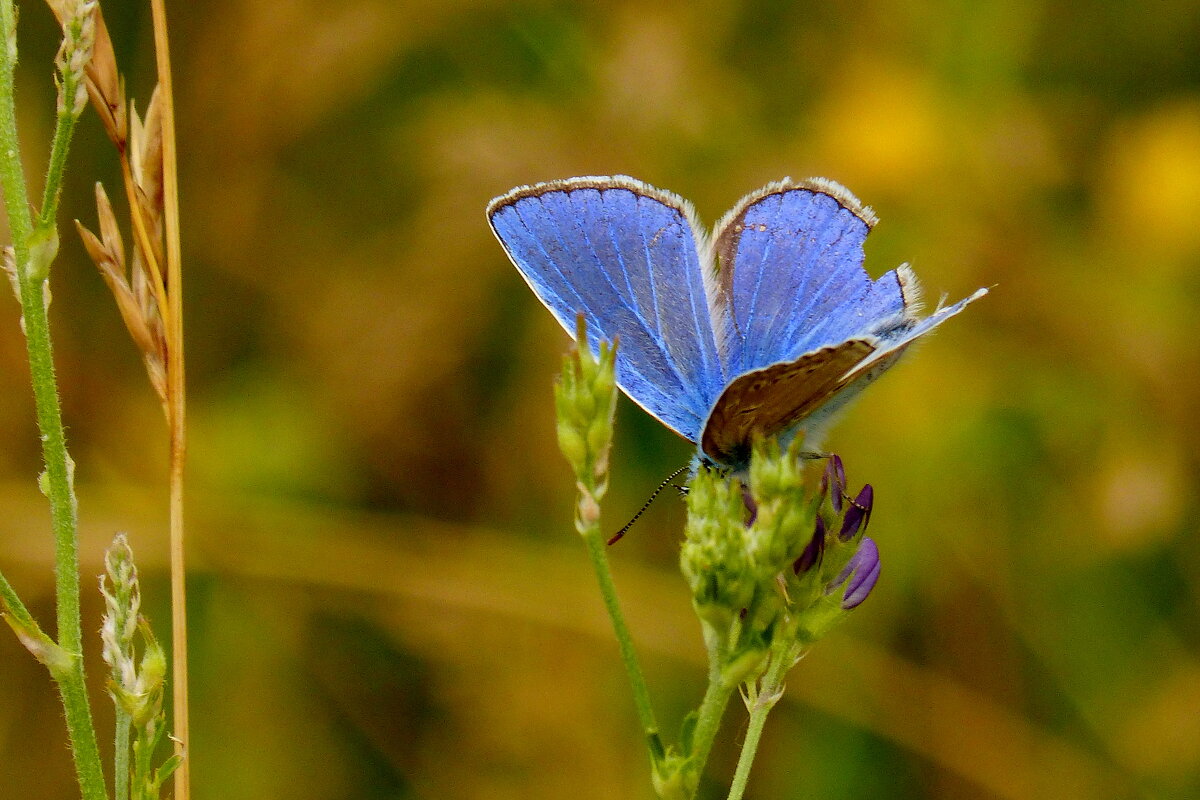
point(59, 480)
point(708, 719)
point(64, 129)
point(121, 756)
point(12, 605)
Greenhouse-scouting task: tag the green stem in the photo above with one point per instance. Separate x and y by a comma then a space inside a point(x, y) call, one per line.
point(121, 756)
point(13, 177)
point(768, 694)
point(75, 50)
point(64, 129)
point(11, 604)
point(70, 682)
point(597, 549)
point(708, 721)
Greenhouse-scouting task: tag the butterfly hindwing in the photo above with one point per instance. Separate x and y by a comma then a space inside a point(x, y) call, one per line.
point(626, 256)
point(772, 400)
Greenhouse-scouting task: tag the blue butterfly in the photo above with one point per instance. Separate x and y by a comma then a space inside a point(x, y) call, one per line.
point(767, 327)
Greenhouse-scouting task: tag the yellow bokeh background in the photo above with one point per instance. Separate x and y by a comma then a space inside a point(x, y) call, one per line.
point(387, 597)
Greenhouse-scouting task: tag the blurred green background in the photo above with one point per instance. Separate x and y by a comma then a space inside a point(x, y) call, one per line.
point(387, 597)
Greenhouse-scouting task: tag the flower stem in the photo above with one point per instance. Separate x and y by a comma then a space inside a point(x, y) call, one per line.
point(59, 481)
point(597, 550)
point(763, 699)
point(121, 756)
point(64, 129)
point(708, 721)
point(758, 718)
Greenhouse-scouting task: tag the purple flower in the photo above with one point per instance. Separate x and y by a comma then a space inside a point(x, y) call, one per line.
point(833, 481)
point(862, 571)
point(813, 550)
point(858, 514)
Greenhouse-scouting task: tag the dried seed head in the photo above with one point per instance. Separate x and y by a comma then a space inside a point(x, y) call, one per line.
point(110, 232)
point(146, 156)
point(135, 298)
point(105, 85)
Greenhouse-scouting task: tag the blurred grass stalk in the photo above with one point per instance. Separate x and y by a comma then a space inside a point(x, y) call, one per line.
point(148, 295)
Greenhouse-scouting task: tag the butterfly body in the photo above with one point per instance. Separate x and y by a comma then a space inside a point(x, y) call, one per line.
point(766, 327)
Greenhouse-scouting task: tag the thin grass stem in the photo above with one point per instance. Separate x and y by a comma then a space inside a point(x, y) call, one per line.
point(69, 94)
point(64, 130)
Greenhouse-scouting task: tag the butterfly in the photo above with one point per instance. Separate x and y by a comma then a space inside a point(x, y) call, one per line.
point(766, 327)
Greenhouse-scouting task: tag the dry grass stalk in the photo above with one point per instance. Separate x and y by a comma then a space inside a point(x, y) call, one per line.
point(176, 394)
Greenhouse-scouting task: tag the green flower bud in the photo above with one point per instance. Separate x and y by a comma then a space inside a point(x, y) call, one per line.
point(585, 400)
point(714, 558)
point(784, 518)
point(573, 445)
point(672, 779)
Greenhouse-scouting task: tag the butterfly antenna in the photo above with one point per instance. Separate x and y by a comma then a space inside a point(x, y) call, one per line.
point(616, 537)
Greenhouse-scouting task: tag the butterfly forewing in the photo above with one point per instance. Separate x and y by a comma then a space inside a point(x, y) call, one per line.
point(625, 255)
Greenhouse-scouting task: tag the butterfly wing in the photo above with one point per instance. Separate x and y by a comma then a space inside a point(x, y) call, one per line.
point(773, 399)
point(892, 344)
point(790, 276)
point(626, 255)
point(807, 328)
